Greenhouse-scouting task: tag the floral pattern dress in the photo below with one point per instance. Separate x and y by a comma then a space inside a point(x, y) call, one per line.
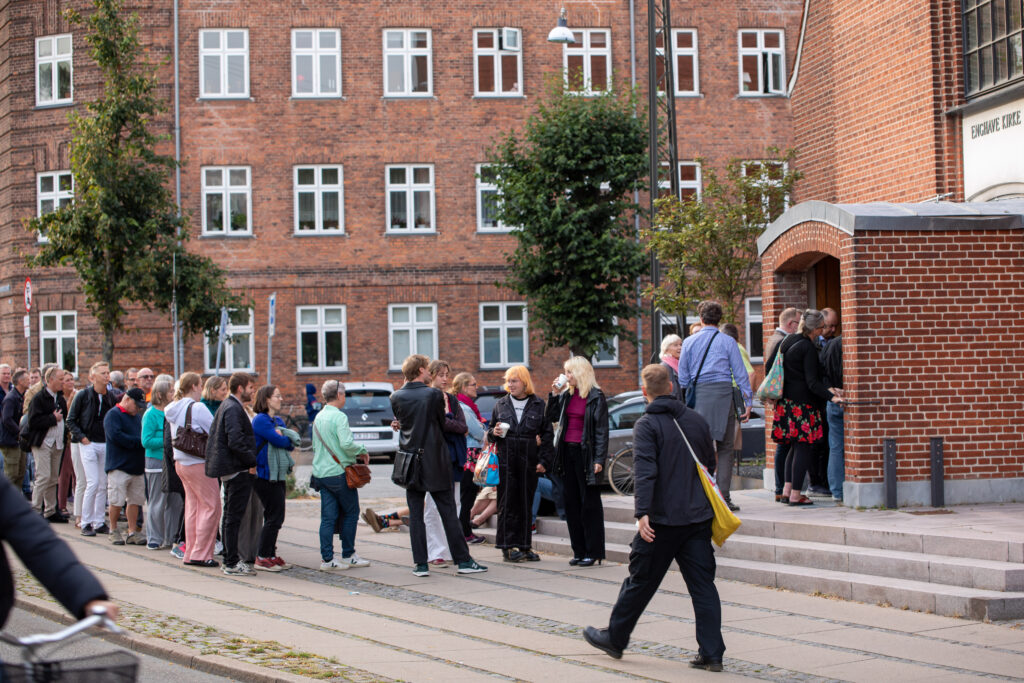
point(796, 422)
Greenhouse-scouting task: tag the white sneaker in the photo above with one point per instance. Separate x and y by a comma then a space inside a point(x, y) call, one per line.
point(218, 548)
point(354, 561)
point(332, 565)
point(240, 569)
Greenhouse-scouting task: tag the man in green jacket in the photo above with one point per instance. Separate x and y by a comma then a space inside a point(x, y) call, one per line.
point(333, 450)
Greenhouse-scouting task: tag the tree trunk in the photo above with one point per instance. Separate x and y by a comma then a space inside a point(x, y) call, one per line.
point(108, 347)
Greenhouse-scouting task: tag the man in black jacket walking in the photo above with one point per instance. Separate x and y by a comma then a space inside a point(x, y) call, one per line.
point(419, 411)
point(231, 456)
point(674, 520)
point(10, 415)
point(46, 434)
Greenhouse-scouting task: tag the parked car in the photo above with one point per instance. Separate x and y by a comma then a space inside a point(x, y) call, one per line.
point(486, 397)
point(368, 408)
point(626, 408)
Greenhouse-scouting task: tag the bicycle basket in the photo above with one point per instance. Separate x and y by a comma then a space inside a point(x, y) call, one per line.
point(112, 667)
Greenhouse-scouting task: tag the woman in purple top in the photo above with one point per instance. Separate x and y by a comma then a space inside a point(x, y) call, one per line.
point(580, 409)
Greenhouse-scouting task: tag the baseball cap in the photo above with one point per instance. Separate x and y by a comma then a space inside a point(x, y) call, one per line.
point(138, 395)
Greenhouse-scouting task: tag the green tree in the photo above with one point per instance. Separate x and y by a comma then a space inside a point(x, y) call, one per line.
point(708, 248)
point(121, 232)
point(564, 180)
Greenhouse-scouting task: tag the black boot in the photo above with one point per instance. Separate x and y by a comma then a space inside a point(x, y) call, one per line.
point(512, 555)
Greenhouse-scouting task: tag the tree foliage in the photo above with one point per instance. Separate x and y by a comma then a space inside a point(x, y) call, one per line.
point(122, 233)
point(708, 248)
point(565, 180)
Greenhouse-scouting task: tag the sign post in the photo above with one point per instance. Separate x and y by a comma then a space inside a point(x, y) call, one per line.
point(28, 319)
point(271, 320)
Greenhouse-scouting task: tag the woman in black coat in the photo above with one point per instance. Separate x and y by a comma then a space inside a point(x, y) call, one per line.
point(523, 439)
point(798, 419)
point(579, 407)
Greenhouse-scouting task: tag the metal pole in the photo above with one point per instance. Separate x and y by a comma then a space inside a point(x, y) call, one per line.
point(938, 472)
point(179, 341)
point(889, 471)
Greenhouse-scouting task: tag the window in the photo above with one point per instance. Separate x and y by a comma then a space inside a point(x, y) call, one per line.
point(53, 70)
point(755, 330)
point(487, 197)
point(237, 352)
point(689, 180)
point(993, 50)
point(322, 338)
point(762, 63)
point(58, 339)
point(227, 186)
point(587, 62)
point(497, 62)
point(767, 177)
point(684, 53)
point(319, 200)
point(410, 191)
point(224, 63)
point(503, 335)
point(407, 63)
point(316, 63)
point(412, 328)
point(625, 416)
point(53, 191)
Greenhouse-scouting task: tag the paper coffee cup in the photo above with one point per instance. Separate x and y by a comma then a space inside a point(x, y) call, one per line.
point(503, 427)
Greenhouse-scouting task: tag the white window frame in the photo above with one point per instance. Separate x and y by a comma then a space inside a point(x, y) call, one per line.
point(54, 60)
point(412, 327)
point(503, 324)
point(225, 189)
point(764, 62)
point(750, 318)
point(762, 162)
point(59, 335)
point(587, 52)
point(611, 362)
point(228, 357)
point(223, 52)
point(501, 38)
point(407, 52)
point(317, 189)
point(410, 188)
point(691, 52)
point(321, 328)
point(316, 52)
point(55, 196)
point(481, 187)
point(697, 184)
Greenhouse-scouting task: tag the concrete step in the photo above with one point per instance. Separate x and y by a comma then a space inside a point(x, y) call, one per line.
point(954, 601)
point(614, 532)
point(925, 567)
point(559, 545)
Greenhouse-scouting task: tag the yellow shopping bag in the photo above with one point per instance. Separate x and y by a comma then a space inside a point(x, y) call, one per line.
point(725, 522)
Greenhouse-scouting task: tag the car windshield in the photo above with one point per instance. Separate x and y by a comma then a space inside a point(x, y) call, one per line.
point(486, 403)
point(369, 407)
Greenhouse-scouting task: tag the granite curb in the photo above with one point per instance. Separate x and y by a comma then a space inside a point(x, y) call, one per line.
point(178, 654)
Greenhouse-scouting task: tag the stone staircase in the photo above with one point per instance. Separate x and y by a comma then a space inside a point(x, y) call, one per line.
point(925, 568)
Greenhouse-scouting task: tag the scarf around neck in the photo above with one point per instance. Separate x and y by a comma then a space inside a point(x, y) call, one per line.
point(472, 404)
point(672, 362)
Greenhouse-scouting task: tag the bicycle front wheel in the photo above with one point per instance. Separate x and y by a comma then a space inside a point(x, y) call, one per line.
point(620, 472)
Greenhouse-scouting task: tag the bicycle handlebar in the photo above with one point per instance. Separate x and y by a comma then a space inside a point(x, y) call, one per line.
point(36, 640)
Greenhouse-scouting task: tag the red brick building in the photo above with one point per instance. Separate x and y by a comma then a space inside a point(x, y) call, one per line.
point(916, 106)
point(331, 155)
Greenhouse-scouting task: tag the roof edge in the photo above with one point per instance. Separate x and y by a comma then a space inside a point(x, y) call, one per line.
point(821, 212)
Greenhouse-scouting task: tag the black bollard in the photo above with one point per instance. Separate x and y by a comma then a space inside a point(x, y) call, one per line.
point(889, 470)
point(938, 473)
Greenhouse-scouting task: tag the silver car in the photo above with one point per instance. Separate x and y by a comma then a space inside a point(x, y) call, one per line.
point(368, 408)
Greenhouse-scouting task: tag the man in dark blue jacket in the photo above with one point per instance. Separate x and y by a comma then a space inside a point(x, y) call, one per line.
point(674, 521)
point(125, 465)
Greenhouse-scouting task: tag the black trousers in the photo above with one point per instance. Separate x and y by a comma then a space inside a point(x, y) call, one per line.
point(584, 513)
point(467, 496)
point(818, 467)
point(237, 491)
point(690, 547)
point(271, 494)
point(782, 452)
point(799, 461)
point(445, 502)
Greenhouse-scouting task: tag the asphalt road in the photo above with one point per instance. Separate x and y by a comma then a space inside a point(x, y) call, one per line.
point(151, 669)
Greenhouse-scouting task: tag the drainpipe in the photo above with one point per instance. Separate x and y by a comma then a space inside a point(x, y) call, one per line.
point(178, 350)
point(799, 50)
point(636, 199)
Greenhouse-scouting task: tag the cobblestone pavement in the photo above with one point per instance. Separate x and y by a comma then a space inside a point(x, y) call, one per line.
point(517, 622)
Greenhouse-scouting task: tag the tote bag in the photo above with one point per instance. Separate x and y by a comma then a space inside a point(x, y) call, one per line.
point(724, 522)
point(486, 473)
point(771, 387)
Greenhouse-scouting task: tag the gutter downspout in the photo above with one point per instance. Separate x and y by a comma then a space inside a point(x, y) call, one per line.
point(799, 50)
point(636, 200)
point(179, 351)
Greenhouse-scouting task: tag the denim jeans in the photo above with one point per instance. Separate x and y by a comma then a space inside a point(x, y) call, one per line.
point(336, 498)
point(549, 487)
point(836, 450)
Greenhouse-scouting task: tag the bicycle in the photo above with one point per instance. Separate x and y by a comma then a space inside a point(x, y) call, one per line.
point(110, 667)
point(620, 472)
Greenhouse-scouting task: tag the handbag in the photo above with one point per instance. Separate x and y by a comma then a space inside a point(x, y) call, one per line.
point(486, 473)
point(724, 523)
point(691, 388)
point(188, 440)
point(356, 476)
point(771, 387)
point(406, 472)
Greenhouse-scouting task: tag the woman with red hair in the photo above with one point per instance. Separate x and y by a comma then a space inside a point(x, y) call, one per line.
point(523, 440)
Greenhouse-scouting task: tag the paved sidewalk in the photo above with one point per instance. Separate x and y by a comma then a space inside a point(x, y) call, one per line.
point(515, 622)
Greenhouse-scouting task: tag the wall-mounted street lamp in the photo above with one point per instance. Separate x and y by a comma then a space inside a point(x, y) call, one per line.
point(561, 33)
